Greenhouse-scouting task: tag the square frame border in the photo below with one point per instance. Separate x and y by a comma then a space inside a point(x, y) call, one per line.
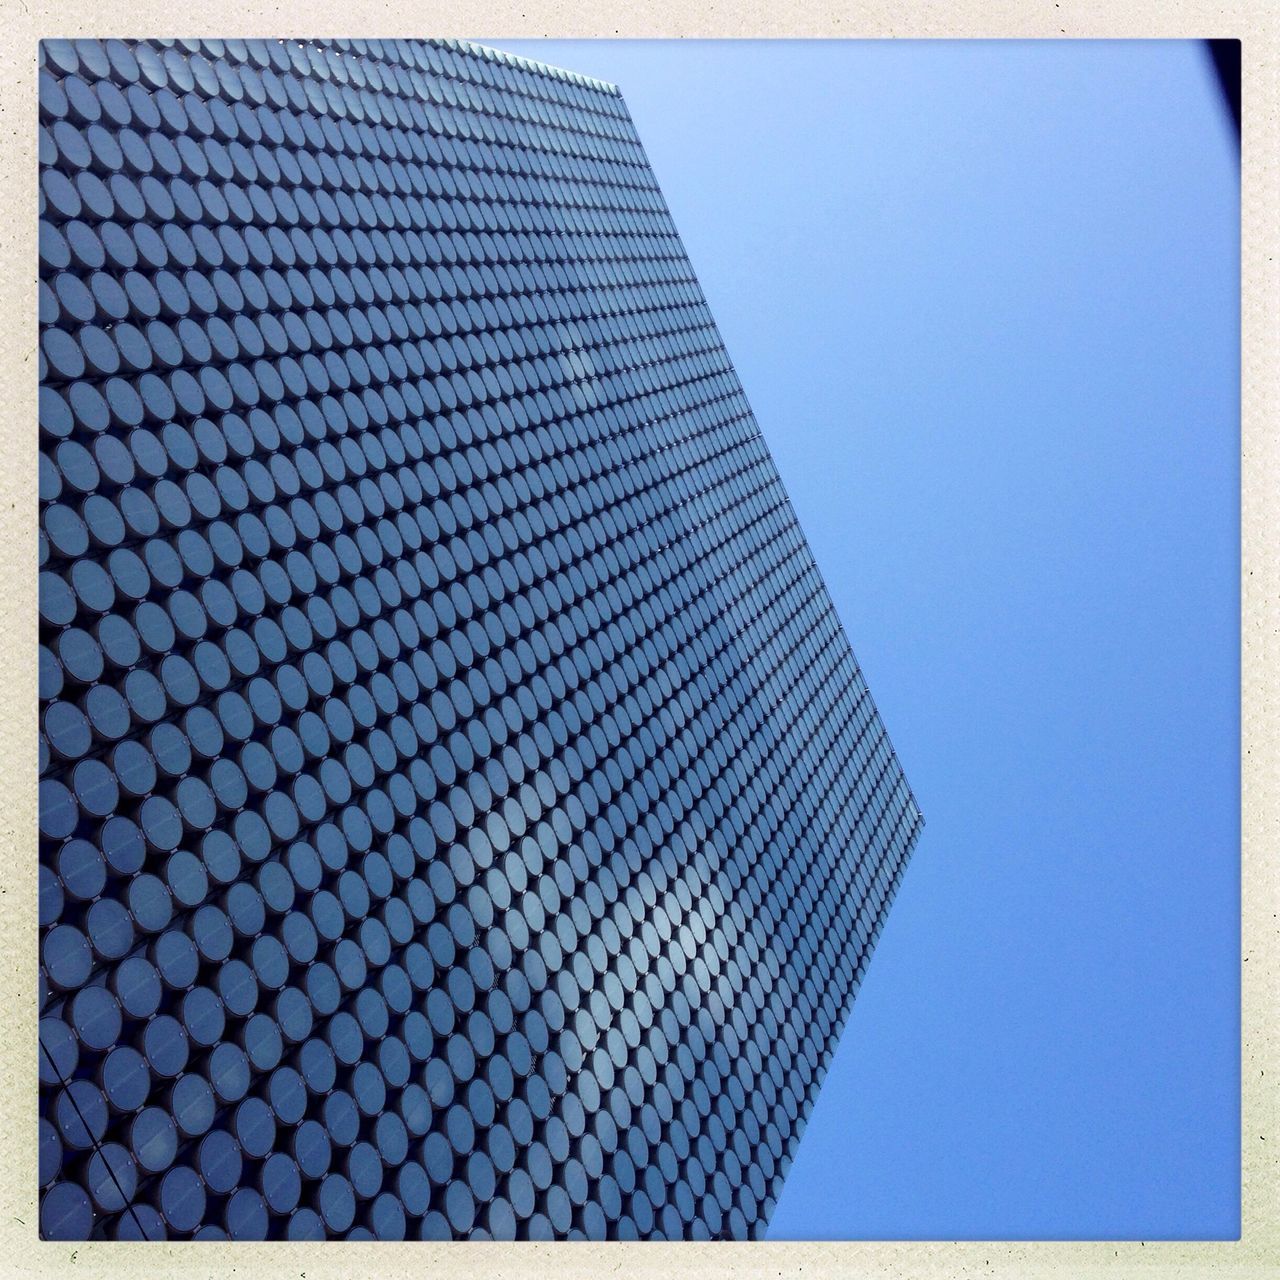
point(1257, 1252)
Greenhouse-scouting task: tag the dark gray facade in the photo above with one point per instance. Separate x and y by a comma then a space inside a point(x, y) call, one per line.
point(461, 811)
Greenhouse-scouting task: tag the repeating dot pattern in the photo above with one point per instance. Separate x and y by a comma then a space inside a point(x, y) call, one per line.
point(461, 813)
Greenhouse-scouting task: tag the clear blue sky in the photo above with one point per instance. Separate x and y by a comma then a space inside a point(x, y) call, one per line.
point(983, 298)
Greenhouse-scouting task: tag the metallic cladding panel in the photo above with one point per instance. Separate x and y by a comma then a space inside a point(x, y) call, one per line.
point(461, 813)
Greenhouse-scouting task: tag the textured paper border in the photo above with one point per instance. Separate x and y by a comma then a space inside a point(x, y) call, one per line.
point(1257, 1253)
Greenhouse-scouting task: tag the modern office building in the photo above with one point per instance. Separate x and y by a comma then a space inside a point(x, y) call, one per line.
point(461, 812)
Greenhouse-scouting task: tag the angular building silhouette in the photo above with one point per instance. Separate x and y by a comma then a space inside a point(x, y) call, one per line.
point(461, 812)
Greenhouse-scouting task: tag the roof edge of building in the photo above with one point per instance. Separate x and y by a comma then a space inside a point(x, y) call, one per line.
point(533, 64)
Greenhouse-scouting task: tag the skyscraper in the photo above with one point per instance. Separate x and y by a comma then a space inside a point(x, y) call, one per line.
point(461, 812)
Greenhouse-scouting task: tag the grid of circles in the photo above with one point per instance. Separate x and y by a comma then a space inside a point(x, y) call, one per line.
point(461, 813)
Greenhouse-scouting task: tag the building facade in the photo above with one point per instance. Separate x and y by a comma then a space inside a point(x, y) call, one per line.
point(461, 812)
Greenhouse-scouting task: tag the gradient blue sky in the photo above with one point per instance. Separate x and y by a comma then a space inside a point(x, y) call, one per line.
point(983, 298)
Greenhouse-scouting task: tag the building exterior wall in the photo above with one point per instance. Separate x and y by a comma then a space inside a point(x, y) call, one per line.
point(462, 813)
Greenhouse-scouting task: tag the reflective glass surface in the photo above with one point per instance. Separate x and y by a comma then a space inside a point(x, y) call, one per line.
point(461, 812)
